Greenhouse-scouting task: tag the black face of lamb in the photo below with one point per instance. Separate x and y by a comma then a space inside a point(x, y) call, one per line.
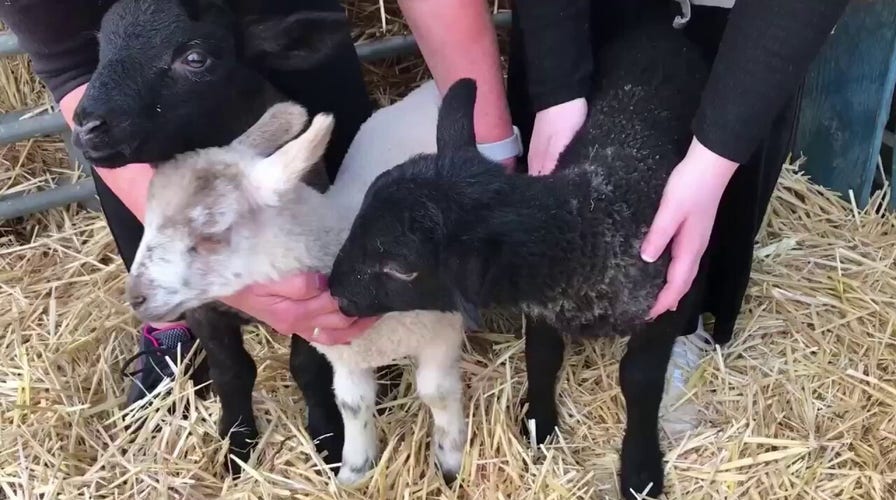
point(384, 268)
point(412, 245)
point(177, 75)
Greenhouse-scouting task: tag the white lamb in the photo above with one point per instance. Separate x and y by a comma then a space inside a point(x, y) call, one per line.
point(219, 219)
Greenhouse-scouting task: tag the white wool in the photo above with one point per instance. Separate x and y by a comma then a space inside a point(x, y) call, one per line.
point(390, 136)
point(302, 230)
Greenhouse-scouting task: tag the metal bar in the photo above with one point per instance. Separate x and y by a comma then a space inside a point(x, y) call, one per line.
point(84, 190)
point(26, 204)
point(19, 130)
point(52, 124)
point(890, 138)
point(9, 45)
point(403, 44)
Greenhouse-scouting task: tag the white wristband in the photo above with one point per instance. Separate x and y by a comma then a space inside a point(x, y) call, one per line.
point(502, 150)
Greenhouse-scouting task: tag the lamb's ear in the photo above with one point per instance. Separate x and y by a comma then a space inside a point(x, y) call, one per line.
point(300, 41)
point(283, 169)
point(213, 11)
point(454, 130)
point(280, 123)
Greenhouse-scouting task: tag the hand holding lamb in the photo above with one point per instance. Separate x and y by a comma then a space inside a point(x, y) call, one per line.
point(299, 304)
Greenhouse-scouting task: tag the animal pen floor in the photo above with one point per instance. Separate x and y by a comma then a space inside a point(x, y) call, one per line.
point(801, 404)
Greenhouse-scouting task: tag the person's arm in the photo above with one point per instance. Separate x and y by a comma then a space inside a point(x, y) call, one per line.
point(774, 42)
point(61, 42)
point(59, 38)
point(64, 61)
point(130, 183)
point(559, 72)
point(557, 50)
point(457, 40)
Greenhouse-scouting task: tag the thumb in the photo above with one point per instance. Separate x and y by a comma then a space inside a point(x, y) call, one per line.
point(665, 225)
point(299, 286)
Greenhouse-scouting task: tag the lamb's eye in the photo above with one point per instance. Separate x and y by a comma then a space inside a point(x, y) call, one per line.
point(208, 243)
point(195, 59)
point(398, 274)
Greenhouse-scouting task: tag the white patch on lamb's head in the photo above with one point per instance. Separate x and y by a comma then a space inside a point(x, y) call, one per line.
point(198, 237)
point(207, 213)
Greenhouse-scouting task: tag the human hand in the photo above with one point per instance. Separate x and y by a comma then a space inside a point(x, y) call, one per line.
point(688, 218)
point(554, 127)
point(300, 305)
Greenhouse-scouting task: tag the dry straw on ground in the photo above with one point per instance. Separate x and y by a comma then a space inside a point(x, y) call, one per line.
point(801, 404)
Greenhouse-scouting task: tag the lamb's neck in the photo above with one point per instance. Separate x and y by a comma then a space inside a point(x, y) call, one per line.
point(543, 235)
point(307, 235)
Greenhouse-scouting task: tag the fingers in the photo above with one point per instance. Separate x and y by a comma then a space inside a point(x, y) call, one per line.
point(331, 321)
point(328, 336)
point(665, 224)
point(679, 278)
point(300, 286)
point(687, 250)
point(536, 158)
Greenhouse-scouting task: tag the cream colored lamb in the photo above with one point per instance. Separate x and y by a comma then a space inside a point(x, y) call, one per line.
point(219, 219)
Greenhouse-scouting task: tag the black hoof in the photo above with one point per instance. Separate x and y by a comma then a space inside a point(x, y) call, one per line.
point(642, 471)
point(449, 477)
point(545, 426)
point(241, 444)
point(328, 437)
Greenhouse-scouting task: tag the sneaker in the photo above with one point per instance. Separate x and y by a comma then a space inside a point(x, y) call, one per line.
point(160, 350)
point(689, 350)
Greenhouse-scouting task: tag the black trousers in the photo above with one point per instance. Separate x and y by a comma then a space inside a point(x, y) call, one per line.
point(336, 86)
point(728, 258)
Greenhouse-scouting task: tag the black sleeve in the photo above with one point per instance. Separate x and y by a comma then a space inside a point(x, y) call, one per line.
point(60, 38)
point(557, 46)
point(765, 53)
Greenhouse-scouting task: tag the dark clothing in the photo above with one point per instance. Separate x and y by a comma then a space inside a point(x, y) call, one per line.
point(762, 58)
point(748, 112)
point(59, 36)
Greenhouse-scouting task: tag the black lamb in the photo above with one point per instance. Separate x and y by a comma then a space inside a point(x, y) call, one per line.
point(179, 75)
point(458, 234)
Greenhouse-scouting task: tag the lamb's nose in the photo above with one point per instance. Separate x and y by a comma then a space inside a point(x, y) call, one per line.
point(137, 300)
point(91, 128)
point(346, 306)
point(135, 295)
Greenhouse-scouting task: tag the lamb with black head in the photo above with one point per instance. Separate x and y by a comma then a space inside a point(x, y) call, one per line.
point(452, 232)
point(178, 75)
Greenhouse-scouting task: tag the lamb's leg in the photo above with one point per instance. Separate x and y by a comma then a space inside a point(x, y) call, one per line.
point(642, 373)
point(355, 390)
point(314, 376)
point(440, 387)
point(544, 358)
point(232, 373)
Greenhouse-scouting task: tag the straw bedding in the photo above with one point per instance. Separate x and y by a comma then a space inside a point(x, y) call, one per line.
point(802, 404)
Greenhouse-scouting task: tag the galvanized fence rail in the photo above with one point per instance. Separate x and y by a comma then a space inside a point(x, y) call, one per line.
point(14, 128)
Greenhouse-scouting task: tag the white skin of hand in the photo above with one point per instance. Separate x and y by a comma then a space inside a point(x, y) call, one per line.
point(554, 127)
point(685, 217)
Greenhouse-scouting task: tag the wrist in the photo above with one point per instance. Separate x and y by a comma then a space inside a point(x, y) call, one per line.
point(701, 155)
point(706, 156)
point(504, 150)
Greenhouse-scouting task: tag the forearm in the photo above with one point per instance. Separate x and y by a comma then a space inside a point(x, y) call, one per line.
point(130, 183)
point(457, 40)
point(58, 37)
point(557, 47)
point(773, 42)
